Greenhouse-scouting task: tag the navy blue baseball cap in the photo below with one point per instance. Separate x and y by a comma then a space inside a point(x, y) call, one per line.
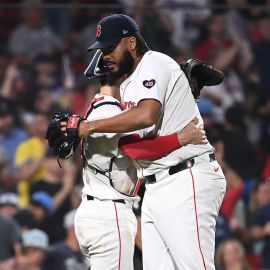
point(110, 30)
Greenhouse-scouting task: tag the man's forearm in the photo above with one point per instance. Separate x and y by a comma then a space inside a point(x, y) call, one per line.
point(28, 170)
point(135, 118)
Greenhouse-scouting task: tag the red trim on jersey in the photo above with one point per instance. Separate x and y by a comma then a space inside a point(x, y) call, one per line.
point(119, 237)
point(90, 107)
point(137, 187)
point(87, 112)
point(148, 148)
point(196, 216)
point(123, 106)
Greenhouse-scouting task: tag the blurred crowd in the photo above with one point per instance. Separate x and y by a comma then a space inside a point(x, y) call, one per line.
point(42, 60)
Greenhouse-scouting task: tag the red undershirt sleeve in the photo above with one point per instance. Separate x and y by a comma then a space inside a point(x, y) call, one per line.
point(148, 148)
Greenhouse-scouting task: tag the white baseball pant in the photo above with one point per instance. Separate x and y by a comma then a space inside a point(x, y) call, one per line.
point(179, 217)
point(106, 233)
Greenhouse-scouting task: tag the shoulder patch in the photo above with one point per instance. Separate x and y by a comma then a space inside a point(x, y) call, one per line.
point(149, 83)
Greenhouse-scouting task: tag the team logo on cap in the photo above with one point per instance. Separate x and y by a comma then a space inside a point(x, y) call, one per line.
point(98, 30)
point(149, 84)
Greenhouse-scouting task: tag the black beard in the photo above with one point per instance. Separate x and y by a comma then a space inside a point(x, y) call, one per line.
point(125, 67)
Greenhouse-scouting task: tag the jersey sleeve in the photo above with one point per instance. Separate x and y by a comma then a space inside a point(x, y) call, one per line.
point(148, 148)
point(152, 80)
point(102, 110)
point(106, 143)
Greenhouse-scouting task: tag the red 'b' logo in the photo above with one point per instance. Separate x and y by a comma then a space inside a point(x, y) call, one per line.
point(98, 31)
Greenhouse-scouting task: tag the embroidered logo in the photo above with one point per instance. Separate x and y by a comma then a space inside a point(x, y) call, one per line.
point(98, 30)
point(125, 32)
point(149, 84)
point(216, 169)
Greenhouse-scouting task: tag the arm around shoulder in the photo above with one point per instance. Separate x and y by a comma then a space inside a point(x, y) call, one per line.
point(145, 114)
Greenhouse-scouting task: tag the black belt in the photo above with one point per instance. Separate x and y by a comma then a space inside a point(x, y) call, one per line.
point(91, 198)
point(179, 167)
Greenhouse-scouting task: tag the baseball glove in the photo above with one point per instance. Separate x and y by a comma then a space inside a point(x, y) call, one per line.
point(63, 145)
point(200, 74)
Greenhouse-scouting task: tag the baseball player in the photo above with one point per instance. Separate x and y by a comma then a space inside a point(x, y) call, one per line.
point(184, 188)
point(105, 224)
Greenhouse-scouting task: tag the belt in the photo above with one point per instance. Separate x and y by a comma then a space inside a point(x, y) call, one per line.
point(179, 167)
point(91, 198)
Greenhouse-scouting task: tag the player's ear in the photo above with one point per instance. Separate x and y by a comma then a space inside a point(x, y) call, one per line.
point(132, 42)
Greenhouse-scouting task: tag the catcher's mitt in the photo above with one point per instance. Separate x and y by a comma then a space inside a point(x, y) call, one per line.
point(63, 145)
point(200, 74)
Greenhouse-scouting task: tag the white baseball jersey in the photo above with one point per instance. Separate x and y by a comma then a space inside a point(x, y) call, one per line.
point(159, 77)
point(100, 151)
point(179, 209)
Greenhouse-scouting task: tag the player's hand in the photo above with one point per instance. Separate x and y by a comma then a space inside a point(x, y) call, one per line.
point(85, 129)
point(192, 133)
point(63, 127)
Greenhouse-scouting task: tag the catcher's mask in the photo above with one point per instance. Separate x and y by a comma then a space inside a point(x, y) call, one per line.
point(96, 68)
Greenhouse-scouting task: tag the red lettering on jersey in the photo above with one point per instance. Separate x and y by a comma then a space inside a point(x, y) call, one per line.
point(98, 31)
point(123, 106)
point(130, 104)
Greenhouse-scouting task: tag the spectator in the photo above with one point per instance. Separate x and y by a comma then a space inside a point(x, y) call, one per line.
point(239, 152)
point(187, 22)
point(156, 27)
point(217, 38)
point(29, 157)
point(25, 219)
point(32, 37)
point(58, 183)
point(212, 129)
point(18, 85)
point(238, 18)
point(44, 102)
point(7, 178)
point(10, 135)
point(41, 205)
point(226, 44)
point(229, 220)
point(66, 255)
point(35, 245)
point(47, 72)
point(231, 256)
point(9, 204)
point(4, 61)
point(261, 228)
point(261, 51)
point(229, 92)
point(10, 240)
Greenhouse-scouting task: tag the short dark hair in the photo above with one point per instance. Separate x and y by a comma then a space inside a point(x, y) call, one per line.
point(141, 46)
